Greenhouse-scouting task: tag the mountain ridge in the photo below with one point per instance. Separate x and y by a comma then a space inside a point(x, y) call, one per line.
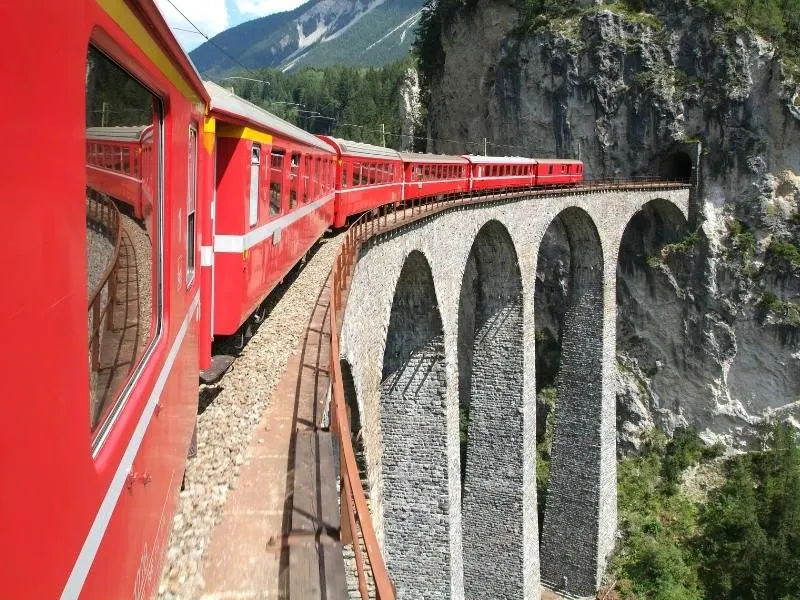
point(319, 33)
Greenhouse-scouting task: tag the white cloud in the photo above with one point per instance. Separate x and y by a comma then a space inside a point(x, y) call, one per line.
point(210, 16)
point(260, 8)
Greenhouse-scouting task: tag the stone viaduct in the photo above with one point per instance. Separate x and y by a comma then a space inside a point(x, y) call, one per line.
point(441, 315)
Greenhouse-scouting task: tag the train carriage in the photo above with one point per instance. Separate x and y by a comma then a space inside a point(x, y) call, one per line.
point(434, 174)
point(558, 171)
point(367, 176)
point(102, 301)
point(114, 164)
point(503, 172)
point(274, 199)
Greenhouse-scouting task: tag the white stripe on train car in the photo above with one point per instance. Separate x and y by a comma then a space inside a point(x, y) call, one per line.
point(240, 243)
point(368, 187)
point(83, 563)
point(206, 256)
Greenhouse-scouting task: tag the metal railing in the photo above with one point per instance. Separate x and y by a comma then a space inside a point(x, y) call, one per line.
point(356, 519)
point(102, 213)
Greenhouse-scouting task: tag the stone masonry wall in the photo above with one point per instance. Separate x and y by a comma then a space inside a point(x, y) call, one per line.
point(414, 442)
point(493, 487)
point(574, 504)
point(446, 240)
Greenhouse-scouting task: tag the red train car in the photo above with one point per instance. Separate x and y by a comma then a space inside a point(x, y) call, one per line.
point(504, 172)
point(275, 187)
point(558, 171)
point(114, 163)
point(434, 174)
point(100, 308)
point(366, 176)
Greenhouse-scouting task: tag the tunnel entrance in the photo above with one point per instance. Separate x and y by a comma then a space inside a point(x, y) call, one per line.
point(677, 166)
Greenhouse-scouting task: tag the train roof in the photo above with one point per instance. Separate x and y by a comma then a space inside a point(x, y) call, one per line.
point(350, 148)
point(415, 157)
point(559, 161)
point(226, 103)
point(149, 15)
point(500, 160)
point(116, 134)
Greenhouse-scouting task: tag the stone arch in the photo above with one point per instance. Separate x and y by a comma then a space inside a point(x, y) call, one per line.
point(490, 358)
point(414, 432)
point(573, 532)
point(655, 261)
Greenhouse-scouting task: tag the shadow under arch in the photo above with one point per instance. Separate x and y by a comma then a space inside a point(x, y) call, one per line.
point(490, 360)
point(414, 436)
point(577, 508)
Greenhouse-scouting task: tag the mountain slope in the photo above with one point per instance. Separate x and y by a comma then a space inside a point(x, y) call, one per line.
point(319, 33)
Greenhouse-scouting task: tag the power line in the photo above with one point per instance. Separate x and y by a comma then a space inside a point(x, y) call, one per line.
point(208, 39)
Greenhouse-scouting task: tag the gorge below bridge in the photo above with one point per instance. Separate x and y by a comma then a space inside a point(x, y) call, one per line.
point(440, 323)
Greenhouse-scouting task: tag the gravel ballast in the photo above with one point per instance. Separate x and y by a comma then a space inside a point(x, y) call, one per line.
point(229, 412)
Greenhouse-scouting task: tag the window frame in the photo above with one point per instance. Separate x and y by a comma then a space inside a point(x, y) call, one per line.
point(191, 206)
point(256, 152)
point(110, 415)
point(274, 152)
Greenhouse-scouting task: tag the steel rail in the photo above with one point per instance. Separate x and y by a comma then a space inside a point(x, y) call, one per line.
point(356, 515)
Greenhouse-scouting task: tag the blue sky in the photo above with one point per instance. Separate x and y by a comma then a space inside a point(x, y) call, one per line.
point(213, 16)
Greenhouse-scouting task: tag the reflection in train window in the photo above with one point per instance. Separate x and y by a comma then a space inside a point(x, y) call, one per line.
point(293, 179)
point(276, 180)
point(123, 128)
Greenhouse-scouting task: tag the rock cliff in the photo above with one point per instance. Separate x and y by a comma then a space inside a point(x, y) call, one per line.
point(709, 324)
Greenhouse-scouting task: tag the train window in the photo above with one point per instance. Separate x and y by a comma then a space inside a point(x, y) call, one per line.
point(276, 181)
point(123, 249)
point(191, 206)
point(356, 174)
point(255, 172)
point(345, 174)
point(550, 172)
point(294, 180)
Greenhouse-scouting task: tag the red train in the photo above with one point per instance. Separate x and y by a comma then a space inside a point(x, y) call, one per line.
point(173, 210)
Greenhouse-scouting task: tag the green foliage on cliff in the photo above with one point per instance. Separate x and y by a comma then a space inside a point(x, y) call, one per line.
point(427, 47)
point(744, 543)
point(780, 311)
point(777, 20)
point(349, 102)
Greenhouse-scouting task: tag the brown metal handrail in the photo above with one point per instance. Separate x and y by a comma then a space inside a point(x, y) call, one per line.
point(356, 516)
point(103, 212)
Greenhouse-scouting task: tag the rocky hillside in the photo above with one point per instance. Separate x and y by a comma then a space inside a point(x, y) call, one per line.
point(319, 33)
point(709, 326)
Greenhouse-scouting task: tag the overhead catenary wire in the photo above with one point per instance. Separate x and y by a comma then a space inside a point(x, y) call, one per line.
point(208, 39)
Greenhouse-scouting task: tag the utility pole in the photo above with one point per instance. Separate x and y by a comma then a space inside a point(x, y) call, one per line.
point(104, 114)
point(485, 149)
point(383, 135)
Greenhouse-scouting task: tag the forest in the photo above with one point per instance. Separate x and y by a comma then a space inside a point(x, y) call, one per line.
point(356, 103)
point(697, 525)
